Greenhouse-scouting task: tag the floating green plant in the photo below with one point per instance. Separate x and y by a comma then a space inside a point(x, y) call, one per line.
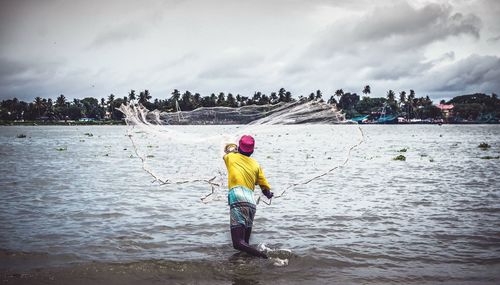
point(21, 136)
point(490, 157)
point(62, 148)
point(150, 156)
point(484, 146)
point(89, 134)
point(400, 158)
point(403, 150)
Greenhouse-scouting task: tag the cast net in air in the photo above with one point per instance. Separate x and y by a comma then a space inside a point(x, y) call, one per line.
point(296, 143)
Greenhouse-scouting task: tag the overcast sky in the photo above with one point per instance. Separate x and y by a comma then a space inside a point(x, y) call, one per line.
point(85, 48)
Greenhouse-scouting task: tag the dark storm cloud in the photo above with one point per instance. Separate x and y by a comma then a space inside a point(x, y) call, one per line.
point(60, 46)
point(10, 68)
point(13, 72)
point(389, 40)
point(386, 46)
point(474, 73)
point(397, 28)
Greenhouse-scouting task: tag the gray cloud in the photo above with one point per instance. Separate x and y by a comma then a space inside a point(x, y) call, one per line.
point(118, 34)
point(396, 28)
point(18, 72)
point(387, 47)
point(232, 65)
point(9, 68)
point(474, 73)
point(57, 46)
point(494, 39)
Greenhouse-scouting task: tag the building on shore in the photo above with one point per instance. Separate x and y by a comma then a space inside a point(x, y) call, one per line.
point(446, 110)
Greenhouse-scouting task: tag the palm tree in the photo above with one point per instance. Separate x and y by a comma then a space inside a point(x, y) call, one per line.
point(38, 105)
point(144, 97)
point(50, 108)
point(256, 97)
point(391, 96)
point(221, 99)
point(410, 102)
point(319, 95)
point(176, 95)
point(402, 97)
point(213, 100)
point(231, 102)
point(332, 100)
point(274, 98)
point(311, 97)
point(186, 102)
point(196, 100)
point(111, 102)
point(61, 101)
point(339, 93)
point(411, 96)
point(239, 100)
point(131, 95)
point(281, 95)
point(264, 100)
point(367, 90)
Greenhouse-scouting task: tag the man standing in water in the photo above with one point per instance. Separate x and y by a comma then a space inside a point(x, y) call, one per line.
point(244, 173)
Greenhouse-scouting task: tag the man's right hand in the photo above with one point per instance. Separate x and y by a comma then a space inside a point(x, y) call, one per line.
point(231, 148)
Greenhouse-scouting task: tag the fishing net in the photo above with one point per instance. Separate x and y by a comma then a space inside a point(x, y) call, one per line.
point(296, 143)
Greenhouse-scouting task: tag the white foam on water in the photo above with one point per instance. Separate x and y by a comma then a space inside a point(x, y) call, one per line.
point(277, 256)
point(279, 262)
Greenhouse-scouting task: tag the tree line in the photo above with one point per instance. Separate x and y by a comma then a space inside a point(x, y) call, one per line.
point(404, 103)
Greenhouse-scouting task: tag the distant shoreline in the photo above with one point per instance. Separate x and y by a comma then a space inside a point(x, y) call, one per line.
point(72, 123)
point(122, 123)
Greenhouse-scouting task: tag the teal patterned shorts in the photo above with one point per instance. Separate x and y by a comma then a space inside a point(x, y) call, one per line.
point(241, 207)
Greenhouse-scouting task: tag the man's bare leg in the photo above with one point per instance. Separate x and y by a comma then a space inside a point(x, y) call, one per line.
point(240, 239)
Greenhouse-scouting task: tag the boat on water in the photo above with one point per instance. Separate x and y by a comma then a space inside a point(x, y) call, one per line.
point(387, 119)
point(360, 119)
point(377, 117)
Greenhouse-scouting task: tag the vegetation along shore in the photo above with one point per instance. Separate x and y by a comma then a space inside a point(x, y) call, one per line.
point(404, 107)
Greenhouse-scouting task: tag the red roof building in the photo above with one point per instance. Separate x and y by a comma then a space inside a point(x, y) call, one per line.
point(444, 107)
point(446, 110)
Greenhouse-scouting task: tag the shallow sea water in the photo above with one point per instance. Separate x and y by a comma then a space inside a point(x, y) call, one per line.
point(90, 214)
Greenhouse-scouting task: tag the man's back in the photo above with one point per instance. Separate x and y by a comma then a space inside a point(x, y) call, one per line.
point(244, 171)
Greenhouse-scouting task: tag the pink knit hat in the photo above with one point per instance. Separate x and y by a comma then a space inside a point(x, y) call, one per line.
point(247, 143)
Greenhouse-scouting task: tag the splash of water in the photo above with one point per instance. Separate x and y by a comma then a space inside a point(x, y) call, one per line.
point(148, 130)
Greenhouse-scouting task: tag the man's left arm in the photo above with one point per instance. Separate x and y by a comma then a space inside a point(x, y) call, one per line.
point(264, 185)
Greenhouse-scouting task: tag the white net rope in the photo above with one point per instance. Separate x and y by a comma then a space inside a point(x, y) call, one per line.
point(296, 143)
